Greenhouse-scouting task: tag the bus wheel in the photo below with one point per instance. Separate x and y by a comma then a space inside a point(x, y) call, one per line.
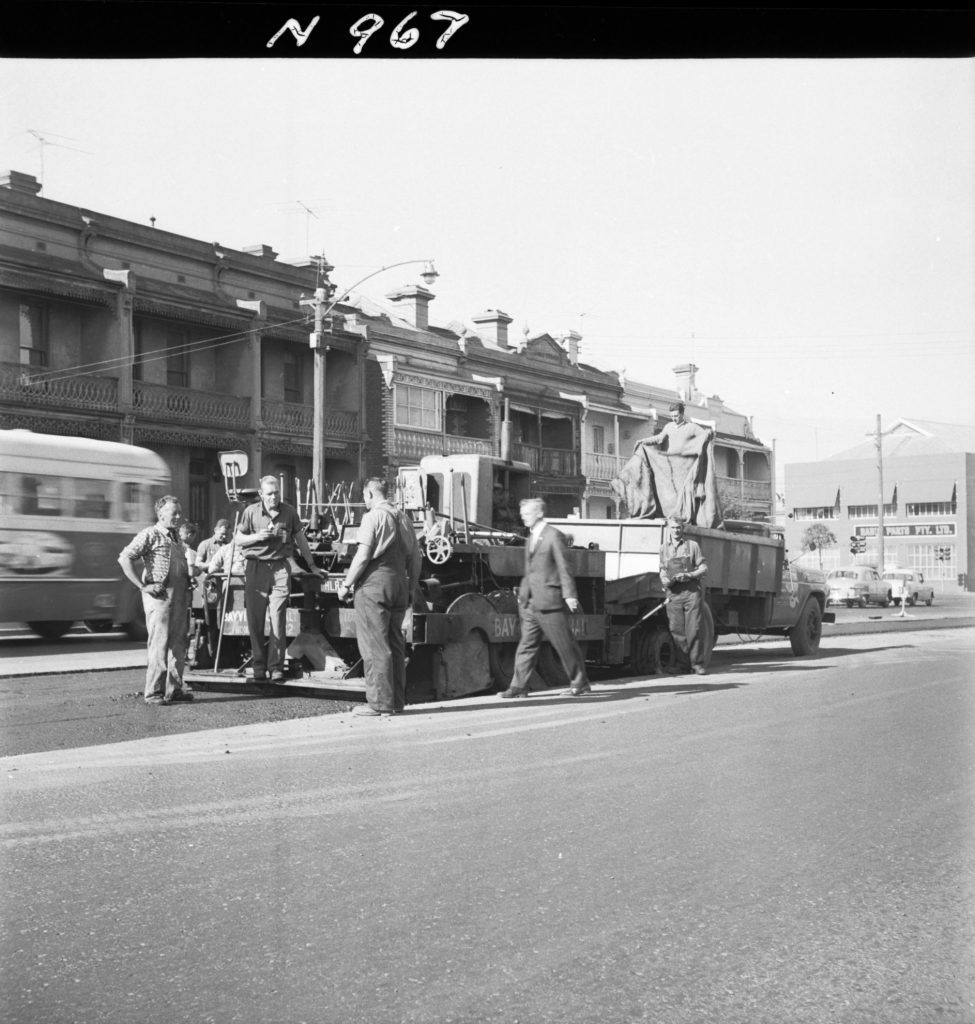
point(135, 628)
point(98, 625)
point(50, 630)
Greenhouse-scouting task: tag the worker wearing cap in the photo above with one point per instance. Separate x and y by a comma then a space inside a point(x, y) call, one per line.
point(269, 531)
point(682, 572)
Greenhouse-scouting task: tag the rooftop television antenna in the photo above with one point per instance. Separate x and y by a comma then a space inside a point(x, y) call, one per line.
point(47, 139)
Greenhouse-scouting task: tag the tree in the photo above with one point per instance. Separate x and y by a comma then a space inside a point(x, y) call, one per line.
point(816, 537)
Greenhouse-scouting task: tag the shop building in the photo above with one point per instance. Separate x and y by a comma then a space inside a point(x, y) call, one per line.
point(928, 480)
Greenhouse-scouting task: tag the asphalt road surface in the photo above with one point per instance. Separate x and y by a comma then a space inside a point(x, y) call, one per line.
point(790, 841)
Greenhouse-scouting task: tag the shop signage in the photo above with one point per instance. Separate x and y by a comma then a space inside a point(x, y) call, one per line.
point(914, 530)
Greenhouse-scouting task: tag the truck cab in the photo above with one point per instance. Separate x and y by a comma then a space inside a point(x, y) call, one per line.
point(467, 493)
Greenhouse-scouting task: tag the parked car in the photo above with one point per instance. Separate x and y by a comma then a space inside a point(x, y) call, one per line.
point(909, 584)
point(857, 585)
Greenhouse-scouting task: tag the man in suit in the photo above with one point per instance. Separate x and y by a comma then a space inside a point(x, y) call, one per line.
point(546, 596)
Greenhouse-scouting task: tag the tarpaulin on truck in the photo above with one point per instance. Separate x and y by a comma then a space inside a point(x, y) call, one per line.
point(674, 477)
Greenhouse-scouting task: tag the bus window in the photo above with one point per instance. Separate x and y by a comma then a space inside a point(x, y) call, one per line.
point(91, 498)
point(9, 494)
point(136, 503)
point(41, 496)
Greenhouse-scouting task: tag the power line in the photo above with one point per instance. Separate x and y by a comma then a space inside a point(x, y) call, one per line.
point(206, 344)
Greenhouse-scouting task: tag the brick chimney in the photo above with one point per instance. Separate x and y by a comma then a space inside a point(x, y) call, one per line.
point(16, 181)
point(570, 341)
point(412, 302)
point(686, 386)
point(492, 326)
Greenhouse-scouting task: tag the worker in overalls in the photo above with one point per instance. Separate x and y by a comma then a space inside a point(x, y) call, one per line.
point(682, 570)
point(383, 577)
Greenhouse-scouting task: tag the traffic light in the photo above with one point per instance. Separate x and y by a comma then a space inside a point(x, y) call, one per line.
point(858, 545)
point(942, 554)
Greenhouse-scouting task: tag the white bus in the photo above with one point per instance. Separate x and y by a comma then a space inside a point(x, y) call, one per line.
point(68, 506)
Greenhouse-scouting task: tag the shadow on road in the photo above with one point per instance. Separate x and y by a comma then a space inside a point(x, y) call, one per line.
point(552, 697)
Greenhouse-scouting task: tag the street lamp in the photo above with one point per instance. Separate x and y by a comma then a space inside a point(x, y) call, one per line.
point(322, 293)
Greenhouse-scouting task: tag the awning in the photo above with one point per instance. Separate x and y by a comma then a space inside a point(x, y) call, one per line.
point(809, 492)
point(865, 490)
point(918, 492)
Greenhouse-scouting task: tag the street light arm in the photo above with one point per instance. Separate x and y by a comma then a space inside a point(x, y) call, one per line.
point(344, 293)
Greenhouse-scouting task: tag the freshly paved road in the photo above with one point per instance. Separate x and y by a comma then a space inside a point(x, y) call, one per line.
point(84, 690)
point(790, 841)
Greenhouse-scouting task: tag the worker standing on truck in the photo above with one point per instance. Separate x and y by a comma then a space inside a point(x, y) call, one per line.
point(383, 576)
point(546, 591)
point(678, 433)
point(682, 570)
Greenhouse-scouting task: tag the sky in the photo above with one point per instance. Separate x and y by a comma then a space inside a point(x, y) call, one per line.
point(802, 230)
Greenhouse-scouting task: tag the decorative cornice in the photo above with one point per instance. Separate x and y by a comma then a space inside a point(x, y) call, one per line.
point(205, 438)
point(456, 387)
point(170, 311)
point(97, 429)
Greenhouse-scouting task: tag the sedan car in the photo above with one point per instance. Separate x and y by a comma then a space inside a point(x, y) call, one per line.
point(909, 586)
point(857, 585)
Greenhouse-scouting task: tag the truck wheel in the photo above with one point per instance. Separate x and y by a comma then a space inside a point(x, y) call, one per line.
point(666, 654)
point(863, 602)
point(642, 661)
point(51, 630)
point(807, 632)
point(911, 601)
point(930, 601)
point(708, 635)
point(98, 625)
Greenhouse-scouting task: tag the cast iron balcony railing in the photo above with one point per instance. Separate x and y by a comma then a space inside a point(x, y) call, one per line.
point(298, 419)
point(600, 466)
point(414, 444)
point(45, 387)
point(161, 402)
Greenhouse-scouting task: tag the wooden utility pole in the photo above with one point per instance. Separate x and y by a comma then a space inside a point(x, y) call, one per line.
point(880, 506)
point(316, 340)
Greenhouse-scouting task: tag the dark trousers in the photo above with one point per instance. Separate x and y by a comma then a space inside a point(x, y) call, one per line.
point(553, 627)
point(267, 590)
point(684, 619)
point(380, 606)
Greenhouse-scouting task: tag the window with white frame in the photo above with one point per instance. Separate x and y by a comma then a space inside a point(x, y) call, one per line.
point(924, 558)
point(419, 407)
point(823, 512)
point(869, 511)
point(931, 508)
